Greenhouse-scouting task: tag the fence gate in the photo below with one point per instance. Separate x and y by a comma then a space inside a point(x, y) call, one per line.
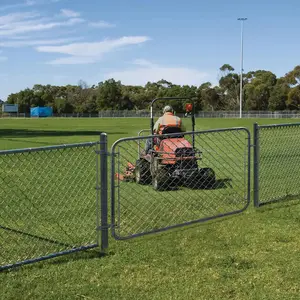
point(47, 202)
point(143, 205)
point(276, 162)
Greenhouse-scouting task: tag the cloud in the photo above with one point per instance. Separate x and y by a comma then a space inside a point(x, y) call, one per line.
point(27, 43)
point(69, 13)
point(30, 2)
point(143, 62)
point(18, 5)
point(9, 19)
point(72, 60)
point(84, 53)
point(146, 71)
point(101, 24)
point(20, 23)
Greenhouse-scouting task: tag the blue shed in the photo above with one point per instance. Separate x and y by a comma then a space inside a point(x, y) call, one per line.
point(41, 112)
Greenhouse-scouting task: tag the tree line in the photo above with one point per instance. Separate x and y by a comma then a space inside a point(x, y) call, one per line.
point(262, 90)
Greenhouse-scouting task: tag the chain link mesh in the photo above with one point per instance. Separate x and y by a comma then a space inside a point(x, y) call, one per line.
point(47, 201)
point(279, 166)
point(178, 183)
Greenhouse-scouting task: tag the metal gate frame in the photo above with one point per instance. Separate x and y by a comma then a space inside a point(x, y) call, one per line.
point(256, 161)
point(113, 154)
point(101, 227)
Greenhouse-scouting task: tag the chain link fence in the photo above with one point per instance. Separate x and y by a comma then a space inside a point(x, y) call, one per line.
point(47, 202)
point(276, 162)
point(145, 114)
point(54, 200)
point(191, 178)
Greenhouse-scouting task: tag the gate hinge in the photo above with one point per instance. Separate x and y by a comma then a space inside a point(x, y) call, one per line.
point(105, 153)
point(100, 188)
point(108, 226)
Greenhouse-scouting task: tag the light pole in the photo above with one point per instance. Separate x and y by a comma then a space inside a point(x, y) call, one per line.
point(241, 81)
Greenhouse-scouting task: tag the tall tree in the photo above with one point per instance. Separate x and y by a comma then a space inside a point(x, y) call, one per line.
point(229, 85)
point(293, 101)
point(278, 96)
point(258, 90)
point(109, 95)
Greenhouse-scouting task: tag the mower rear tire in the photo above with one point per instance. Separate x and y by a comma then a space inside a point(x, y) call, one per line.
point(192, 181)
point(142, 172)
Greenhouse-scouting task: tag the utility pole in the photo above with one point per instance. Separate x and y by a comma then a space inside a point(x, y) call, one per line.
point(241, 80)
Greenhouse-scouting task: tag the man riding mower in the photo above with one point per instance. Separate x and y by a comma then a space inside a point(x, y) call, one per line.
point(170, 160)
point(168, 120)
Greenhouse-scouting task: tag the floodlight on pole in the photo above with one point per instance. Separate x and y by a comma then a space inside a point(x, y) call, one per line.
point(241, 80)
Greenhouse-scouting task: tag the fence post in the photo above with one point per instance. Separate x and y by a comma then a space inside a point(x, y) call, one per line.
point(104, 188)
point(256, 164)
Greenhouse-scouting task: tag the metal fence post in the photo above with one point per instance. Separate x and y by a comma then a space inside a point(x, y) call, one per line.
point(256, 164)
point(104, 188)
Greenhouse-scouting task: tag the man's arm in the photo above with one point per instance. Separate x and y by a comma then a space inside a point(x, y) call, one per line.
point(156, 126)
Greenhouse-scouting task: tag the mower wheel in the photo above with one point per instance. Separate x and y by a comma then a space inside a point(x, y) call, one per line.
point(193, 181)
point(142, 172)
point(160, 180)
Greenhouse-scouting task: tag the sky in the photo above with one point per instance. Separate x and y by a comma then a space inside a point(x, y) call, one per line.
point(60, 42)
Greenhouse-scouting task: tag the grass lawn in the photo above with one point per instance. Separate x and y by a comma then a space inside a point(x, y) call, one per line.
point(253, 255)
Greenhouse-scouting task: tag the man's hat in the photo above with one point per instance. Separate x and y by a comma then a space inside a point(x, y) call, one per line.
point(167, 108)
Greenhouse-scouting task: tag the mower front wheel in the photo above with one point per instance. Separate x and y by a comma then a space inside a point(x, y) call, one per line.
point(142, 172)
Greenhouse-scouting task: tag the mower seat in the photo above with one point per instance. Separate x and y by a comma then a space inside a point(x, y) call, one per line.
point(167, 130)
point(170, 130)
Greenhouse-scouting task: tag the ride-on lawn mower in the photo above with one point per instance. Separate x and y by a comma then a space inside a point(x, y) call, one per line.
point(172, 160)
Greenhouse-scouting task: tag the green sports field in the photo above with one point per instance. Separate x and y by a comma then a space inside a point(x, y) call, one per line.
point(253, 255)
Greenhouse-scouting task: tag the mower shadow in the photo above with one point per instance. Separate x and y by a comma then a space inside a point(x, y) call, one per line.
point(218, 184)
point(222, 184)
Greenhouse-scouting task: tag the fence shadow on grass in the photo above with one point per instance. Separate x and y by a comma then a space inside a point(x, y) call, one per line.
point(85, 255)
point(33, 236)
point(26, 141)
point(16, 133)
point(282, 202)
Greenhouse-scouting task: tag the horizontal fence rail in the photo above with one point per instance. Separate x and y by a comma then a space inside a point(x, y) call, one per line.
point(276, 162)
point(146, 114)
point(207, 181)
point(47, 202)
